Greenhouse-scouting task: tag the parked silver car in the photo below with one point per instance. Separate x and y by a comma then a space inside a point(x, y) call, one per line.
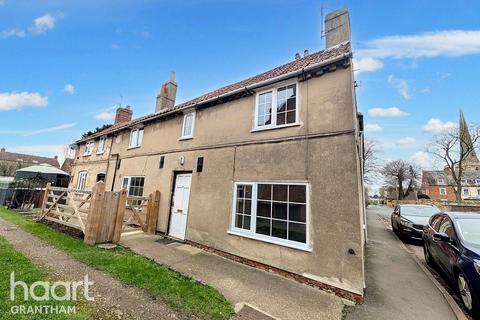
point(408, 220)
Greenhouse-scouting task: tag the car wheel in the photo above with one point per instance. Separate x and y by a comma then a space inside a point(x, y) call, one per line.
point(428, 256)
point(466, 295)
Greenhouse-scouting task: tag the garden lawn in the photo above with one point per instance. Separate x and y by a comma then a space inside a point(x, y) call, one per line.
point(13, 261)
point(180, 292)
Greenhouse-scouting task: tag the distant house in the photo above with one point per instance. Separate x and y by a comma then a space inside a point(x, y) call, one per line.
point(268, 169)
point(10, 162)
point(67, 165)
point(439, 185)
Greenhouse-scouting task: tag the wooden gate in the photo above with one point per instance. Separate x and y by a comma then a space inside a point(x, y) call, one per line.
point(101, 215)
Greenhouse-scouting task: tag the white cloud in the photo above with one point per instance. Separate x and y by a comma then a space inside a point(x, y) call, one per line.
point(401, 85)
point(426, 90)
point(51, 129)
point(42, 24)
point(12, 33)
point(27, 133)
point(69, 88)
point(424, 45)
point(386, 112)
point(405, 141)
point(373, 127)
point(422, 159)
point(367, 65)
point(435, 125)
point(105, 116)
point(17, 100)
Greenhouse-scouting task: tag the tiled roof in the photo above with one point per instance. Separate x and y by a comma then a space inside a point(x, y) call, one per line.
point(293, 66)
point(27, 159)
point(432, 177)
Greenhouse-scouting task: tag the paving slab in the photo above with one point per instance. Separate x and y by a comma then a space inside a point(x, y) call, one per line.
point(274, 295)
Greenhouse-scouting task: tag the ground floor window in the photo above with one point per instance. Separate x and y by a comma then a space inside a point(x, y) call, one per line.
point(82, 180)
point(134, 186)
point(275, 212)
point(443, 191)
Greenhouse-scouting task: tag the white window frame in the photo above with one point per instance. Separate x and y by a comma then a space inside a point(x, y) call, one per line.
point(443, 191)
point(101, 145)
point(184, 136)
point(466, 192)
point(82, 180)
point(441, 181)
point(89, 148)
point(274, 91)
point(252, 234)
point(477, 182)
point(139, 138)
point(463, 181)
point(129, 179)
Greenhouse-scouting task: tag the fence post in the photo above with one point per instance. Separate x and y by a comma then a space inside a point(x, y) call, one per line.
point(45, 197)
point(122, 199)
point(153, 212)
point(95, 213)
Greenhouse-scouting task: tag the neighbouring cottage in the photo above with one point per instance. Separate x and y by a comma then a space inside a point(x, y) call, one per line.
point(10, 162)
point(439, 185)
point(268, 169)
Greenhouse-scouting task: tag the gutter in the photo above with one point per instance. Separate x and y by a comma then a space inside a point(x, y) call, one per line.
point(252, 86)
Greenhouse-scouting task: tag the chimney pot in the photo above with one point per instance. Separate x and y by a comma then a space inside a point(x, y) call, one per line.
point(123, 115)
point(297, 56)
point(56, 157)
point(306, 53)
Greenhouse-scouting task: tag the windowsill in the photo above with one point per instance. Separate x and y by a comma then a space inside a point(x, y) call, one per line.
point(185, 138)
point(298, 246)
point(100, 153)
point(87, 155)
point(135, 147)
point(296, 124)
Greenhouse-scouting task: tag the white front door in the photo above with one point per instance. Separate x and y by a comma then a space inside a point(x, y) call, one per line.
point(181, 197)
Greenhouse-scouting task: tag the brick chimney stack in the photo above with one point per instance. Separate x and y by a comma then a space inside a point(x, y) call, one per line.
point(337, 27)
point(166, 97)
point(123, 115)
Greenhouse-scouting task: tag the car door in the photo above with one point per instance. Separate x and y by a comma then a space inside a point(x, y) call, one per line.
point(434, 226)
point(447, 250)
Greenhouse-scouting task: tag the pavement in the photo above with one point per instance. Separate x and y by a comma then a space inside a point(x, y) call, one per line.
point(267, 293)
point(397, 288)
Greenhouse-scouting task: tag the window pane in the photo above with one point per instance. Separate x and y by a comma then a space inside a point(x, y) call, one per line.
point(238, 220)
point(279, 210)
point(281, 105)
point(240, 191)
point(140, 137)
point(291, 105)
point(297, 232)
point(292, 91)
point(263, 226)
point(248, 192)
point(281, 118)
point(298, 212)
point(282, 94)
point(268, 119)
point(279, 229)
point(297, 194)
point(246, 222)
point(248, 207)
point(264, 208)
point(264, 191)
point(240, 206)
point(280, 192)
point(291, 117)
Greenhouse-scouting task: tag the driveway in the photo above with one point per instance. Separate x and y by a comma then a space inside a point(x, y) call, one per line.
point(396, 286)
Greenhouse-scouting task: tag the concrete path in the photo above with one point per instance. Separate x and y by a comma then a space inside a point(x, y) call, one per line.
point(277, 296)
point(396, 286)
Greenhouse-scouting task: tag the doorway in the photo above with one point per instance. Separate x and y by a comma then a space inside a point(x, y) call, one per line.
point(179, 208)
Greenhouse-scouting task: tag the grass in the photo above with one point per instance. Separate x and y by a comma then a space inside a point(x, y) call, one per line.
point(181, 293)
point(25, 270)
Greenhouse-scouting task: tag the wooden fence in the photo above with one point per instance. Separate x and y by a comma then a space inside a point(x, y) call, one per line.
point(101, 215)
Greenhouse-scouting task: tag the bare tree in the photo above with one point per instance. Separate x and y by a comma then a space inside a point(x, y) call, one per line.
point(371, 166)
point(7, 168)
point(402, 175)
point(455, 148)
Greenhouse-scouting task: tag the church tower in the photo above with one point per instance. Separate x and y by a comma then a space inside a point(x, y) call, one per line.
point(471, 162)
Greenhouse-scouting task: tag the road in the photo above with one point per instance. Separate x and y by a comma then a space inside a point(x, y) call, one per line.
point(397, 288)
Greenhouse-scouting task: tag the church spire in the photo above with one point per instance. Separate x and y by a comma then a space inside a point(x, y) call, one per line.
point(466, 141)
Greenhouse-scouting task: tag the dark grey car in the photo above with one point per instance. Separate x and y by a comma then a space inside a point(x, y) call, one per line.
point(408, 220)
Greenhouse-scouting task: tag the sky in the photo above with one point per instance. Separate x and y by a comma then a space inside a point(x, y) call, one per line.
point(66, 65)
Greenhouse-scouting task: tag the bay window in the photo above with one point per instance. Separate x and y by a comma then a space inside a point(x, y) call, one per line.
point(272, 212)
point(276, 107)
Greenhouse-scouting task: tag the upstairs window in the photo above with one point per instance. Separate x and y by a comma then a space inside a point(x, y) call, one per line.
point(101, 145)
point(477, 182)
point(188, 125)
point(466, 192)
point(441, 181)
point(88, 148)
point(276, 107)
point(136, 138)
point(443, 191)
point(464, 181)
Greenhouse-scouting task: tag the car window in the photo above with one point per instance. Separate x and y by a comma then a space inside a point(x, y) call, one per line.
point(447, 228)
point(435, 222)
